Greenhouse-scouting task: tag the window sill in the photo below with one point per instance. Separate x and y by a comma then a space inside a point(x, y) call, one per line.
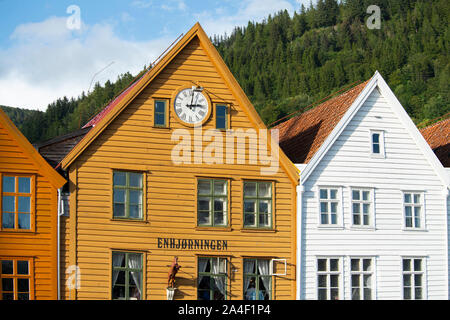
point(18, 231)
point(210, 228)
point(415, 230)
point(258, 230)
point(326, 227)
point(161, 127)
point(128, 220)
point(361, 228)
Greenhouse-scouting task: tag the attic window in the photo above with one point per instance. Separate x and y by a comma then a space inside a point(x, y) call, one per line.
point(377, 143)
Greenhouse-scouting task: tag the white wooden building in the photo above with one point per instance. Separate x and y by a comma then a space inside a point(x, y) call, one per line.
point(372, 200)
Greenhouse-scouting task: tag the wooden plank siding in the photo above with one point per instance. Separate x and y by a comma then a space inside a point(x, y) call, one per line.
point(39, 244)
point(130, 142)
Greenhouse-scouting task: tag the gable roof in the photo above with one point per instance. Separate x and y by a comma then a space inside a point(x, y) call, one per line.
point(54, 150)
point(357, 99)
point(107, 115)
point(44, 168)
point(301, 136)
point(438, 137)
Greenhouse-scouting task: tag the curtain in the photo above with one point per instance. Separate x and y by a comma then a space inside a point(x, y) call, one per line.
point(263, 267)
point(249, 266)
point(220, 281)
point(202, 263)
point(117, 262)
point(135, 262)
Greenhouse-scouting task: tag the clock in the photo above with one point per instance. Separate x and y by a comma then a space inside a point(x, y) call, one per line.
point(192, 106)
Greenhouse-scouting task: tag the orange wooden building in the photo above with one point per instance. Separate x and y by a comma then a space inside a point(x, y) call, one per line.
point(161, 174)
point(29, 219)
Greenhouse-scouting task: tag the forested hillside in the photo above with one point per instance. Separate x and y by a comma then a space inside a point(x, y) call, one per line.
point(287, 62)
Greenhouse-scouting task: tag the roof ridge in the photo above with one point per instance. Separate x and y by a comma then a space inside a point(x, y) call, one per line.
point(447, 115)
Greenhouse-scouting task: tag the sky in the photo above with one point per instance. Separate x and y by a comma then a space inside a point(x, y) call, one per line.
point(55, 48)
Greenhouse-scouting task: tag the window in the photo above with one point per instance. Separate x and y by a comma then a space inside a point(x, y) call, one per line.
point(212, 278)
point(413, 207)
point(257, 204)
point(328, 205)
point(361, 272)
point(257, 279)
point(362, 207)
point(377, 143)
point(16, 281)
point(413, 278)
point(212, 202)
point(328, 278)
point(127, 195)
point(160, 114)
point(221, 117)
point(17, 204)
point(126, 276)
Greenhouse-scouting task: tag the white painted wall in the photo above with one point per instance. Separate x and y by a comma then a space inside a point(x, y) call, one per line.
point(405, 167)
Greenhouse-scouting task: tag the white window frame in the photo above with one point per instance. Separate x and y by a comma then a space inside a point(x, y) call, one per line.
point(360, 272)
point(370, 201)
point(328, 273)
point(382, 153)
point(423, 272)
point(422, 226)
point(339, 209)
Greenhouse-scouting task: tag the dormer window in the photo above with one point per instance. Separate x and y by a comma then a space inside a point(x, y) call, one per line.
point(377, 143)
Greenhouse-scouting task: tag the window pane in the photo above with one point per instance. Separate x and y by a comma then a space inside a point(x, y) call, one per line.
point(367, 294)
point(249, 206)
point(356, 219)
point(221, 123)
point(406, 293)
point(204, 204)
point(417, 264)
point(264, 189)
point(160, 106)
point(135, 196)
point(249, 220)
point(264, 206)
point(356, 208)
point(333, 207)
point(355, 264)
point(7, 284)
point(418, 293)
point(334, 264)
point(219, 204)
point(407, 198)
point(8, 220)
point(135, 211)
point(118, 259)
point(221, 110)
point(8, 204)
point(334, 281)
point(324, 207)
point(406, 280)
point(118, 292)
point(23, 296)
point(333, 193)
point(334, 294)
point(365, 195)
point(333, 219)
point(322, 294)
point(119, 195)
point(355, 195)
point(416, 198)
point(24, 185)
point(23, 285)
point(322, 264)
point(365, 208)
point(7, 267)
point(322, 281)
point(264, 220)
point(160, 119)
point(24, 204)
point(375, 148)
point(120, 179)
point(24, 221)
point(204, 218)
point(135, 179)
point(417, 280)
point(219, 218)
point(220, 187)
point(119, 210)
point(375, 137)
point(9, 184)
point(22, 267)
point(367, 265)
point(408, 211)
point(8, 296)
point(367, 281)
point(324, 219)
point(249, 189)
point(355, 280)
point(406, 264)
point(204, 187)
point(355, 294)
point(323, 194)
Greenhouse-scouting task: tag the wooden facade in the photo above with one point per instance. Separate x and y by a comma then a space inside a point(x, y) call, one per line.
point(126, 140)
point(28, 228)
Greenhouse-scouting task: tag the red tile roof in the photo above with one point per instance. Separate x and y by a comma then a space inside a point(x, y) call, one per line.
point(438, 137)
point(301, 136)
point(99, 116)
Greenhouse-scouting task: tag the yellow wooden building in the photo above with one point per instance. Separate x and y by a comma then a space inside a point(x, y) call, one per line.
point(29, 219)
point(179, 165)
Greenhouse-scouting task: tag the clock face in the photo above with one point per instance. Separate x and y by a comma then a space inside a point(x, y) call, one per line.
point(191, 106)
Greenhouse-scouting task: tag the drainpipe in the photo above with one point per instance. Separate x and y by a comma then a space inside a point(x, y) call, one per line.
point(58, 243)
point(300, 190)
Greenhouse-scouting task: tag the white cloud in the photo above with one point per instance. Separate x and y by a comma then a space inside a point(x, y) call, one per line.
point(248, 10)
point(48, 61)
